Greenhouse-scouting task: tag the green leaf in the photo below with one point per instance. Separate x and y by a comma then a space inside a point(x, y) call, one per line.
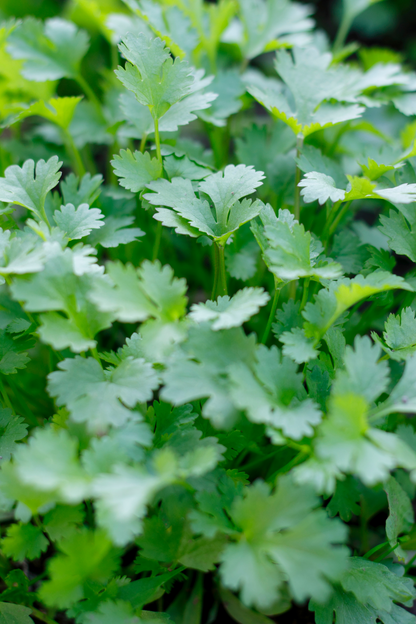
point(192, 215)
point(78, 191)
point(293, 253)
point(14, 614)
point(85, 557)
point(137, 294)
point(58, 110)
point(93, 395)
point(401, 516)
point(298, 347)
point(367, 593)
point(20, 186)
point(399, 335)
point(136, 170)
point(150, 73)
point(345, 500)
point(320, 187)
point(62, 521)
point(268, 25)
point(312, 83)
point(12, 429)
point(239, 612)
point(226, 312)
point(400, 234)
point(78, 222)
point(273, 394)
point(283, 537)
point(115, 232)
point(24, 541)
point(110, 612)
point(50, 51)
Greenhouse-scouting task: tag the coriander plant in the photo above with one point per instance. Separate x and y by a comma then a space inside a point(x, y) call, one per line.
point(207, 317)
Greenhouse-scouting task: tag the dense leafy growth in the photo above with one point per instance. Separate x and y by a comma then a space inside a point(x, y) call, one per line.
point(207, 317)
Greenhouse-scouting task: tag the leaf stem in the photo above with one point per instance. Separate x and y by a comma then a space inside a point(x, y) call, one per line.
point(42, 616)
point(5, 396)
point(216, 266)
point(156, 244)
point(298, 174)
point(338, 218)
point(95, 355)
point(305, 293)
point(157, 140)
point(222, 276)
point(78, 165)
point(342, 33)
point(272, 314)
point(143, 142)
point(89, 92)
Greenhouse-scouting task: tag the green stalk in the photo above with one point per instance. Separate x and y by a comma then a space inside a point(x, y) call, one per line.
point(216, 266)
point(42, 616)
point(77, 163)
point(158, 235)
point(157, 141)
point(342, 33)
point(95, 355)
point(5, 396)
point(271, 315)
point(222, 276)
point(156, 244)
point(298, 174)
point(143, 143)
point(89, 92)
point(305, 293)
point(338, 218)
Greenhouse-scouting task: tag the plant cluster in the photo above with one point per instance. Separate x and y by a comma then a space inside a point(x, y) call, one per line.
point(207, 317)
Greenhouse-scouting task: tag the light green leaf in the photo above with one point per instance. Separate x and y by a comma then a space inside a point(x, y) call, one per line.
point(399, 335)
point(226, 312)
point(195, 215)
point(93, 395)
point(20, 186)
point(320, 187)
point(78, 222)
point(401, 516)
point(14, 614)
point(136, 170)
point(58, 110)
point(50, 51)
point(12, 429)
point(115, 232)
point(150, 73)
point(24, 541)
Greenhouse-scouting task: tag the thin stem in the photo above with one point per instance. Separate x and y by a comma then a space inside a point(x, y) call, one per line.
point(409, 564)
point(143, 143)
point(156, 244)
point(342, 33)
point(375, 549)
point(44, 217)
point(95, 355)
point(222, 276)
point(42, 616)
point(296, 204)
point(271, 315)
point(114, 57)
point(216, 270)
point(157, 141)
point(338, 218)
point(305, 293)
point(88, 92)
point(77, 160)
point(5, 396)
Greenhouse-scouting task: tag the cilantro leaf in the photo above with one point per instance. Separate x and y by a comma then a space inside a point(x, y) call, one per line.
point(399, 335)
point(24, 541)
point(93, 395)
point(85, 556)
point(136, 170)
point(150, 73)
point(115, 231)
point(226, 312)
point(58, 110)
point(280, 530)
point(50, 51)
point(367, 593)
point(192, 215)
point(12, 429)
point(401, 515)
point(312, 82)
point(291, 252)
point(20, 186)
point(14, 614)
point(78, 222)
